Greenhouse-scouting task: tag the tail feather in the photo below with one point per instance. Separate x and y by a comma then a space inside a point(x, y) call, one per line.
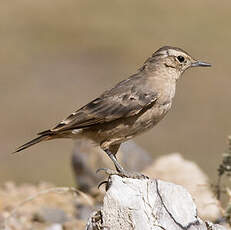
point(46, 132)
point(32, 142)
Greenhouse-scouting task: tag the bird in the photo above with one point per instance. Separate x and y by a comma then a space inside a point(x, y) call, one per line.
point(130, 108)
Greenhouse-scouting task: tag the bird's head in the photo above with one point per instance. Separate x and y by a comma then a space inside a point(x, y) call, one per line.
point(174, 59)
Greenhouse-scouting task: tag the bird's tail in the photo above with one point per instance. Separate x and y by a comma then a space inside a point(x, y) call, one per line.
point(33, 142)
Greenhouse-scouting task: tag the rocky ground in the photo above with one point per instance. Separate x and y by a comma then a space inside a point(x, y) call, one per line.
point(47, 207)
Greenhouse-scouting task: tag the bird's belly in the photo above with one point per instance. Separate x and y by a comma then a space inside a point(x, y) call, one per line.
point(123, 129)
point(150, 118)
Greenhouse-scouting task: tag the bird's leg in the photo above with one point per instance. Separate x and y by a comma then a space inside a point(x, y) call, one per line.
point(120, 170)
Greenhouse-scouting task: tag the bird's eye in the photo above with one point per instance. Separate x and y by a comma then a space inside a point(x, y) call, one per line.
point(180, 59)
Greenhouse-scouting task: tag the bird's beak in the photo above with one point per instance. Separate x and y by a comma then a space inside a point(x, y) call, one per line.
point(200, 63)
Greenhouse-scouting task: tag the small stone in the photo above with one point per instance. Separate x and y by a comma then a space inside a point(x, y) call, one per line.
point(55, 227)
point(51, 215)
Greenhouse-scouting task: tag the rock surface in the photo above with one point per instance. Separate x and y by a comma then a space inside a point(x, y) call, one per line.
point(147, 205)
point(174, 168)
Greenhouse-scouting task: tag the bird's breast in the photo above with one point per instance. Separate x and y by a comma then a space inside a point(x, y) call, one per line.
point(153, 115)
point(166, 93)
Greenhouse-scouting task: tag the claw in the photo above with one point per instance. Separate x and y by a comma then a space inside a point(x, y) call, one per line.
point(108, 171)
point(101, 183)
point(134, 175)
point(107, 184)
point(105, 170)
point(98, 170)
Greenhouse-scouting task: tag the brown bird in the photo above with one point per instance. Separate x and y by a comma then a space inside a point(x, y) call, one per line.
point(128, 109)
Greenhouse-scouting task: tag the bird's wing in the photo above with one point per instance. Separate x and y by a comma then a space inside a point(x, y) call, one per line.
point(126, 99)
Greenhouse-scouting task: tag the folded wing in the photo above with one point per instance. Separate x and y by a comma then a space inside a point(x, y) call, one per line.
point(126, 99)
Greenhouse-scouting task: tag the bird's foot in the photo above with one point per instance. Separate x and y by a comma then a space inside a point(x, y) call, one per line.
point(123, 173)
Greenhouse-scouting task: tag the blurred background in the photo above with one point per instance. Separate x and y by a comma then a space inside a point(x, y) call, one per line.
point(58, 55)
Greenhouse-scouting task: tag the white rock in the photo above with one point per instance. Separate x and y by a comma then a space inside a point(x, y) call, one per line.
point(148, 205)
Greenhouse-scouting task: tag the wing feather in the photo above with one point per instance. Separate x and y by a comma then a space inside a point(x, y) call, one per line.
point(126, 99)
